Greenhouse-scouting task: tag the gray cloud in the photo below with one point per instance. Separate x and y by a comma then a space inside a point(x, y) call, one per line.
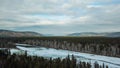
point(28, 13)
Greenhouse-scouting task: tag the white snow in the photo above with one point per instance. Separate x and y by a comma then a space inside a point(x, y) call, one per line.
point(16, 51)
point(112, 62)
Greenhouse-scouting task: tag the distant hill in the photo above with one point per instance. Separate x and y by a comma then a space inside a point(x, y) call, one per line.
point(89, 34)
point(9, 33)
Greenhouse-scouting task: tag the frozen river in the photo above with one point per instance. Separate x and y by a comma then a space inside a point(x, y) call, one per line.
point(112, 62)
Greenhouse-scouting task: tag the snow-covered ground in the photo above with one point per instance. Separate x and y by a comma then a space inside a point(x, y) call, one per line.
point(16, 51)
point(112, 62)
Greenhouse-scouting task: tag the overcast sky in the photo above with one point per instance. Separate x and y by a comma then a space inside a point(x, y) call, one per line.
point(60, 17)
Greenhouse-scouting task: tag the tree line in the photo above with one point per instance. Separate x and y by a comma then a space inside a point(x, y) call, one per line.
point(95, 45)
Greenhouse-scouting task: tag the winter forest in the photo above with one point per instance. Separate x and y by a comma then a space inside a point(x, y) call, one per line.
point(95, 45)
point(92, 45)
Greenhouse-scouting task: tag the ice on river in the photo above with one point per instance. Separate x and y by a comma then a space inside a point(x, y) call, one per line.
point(112, 62)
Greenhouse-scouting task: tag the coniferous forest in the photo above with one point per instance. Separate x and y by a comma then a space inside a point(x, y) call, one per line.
point(94, 45)
point(23, 61)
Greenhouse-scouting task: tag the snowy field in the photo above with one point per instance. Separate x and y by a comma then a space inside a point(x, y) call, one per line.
point(112, 62)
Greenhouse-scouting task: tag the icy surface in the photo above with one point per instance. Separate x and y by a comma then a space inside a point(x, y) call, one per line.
point(16, 51)
point(112, 62)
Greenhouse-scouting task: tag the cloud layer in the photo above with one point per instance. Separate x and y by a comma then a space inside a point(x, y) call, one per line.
point(67, 15)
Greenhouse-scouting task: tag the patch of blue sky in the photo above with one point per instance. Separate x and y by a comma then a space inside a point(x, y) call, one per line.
point(97, 3)
point(116, 1)
point(106, 3)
